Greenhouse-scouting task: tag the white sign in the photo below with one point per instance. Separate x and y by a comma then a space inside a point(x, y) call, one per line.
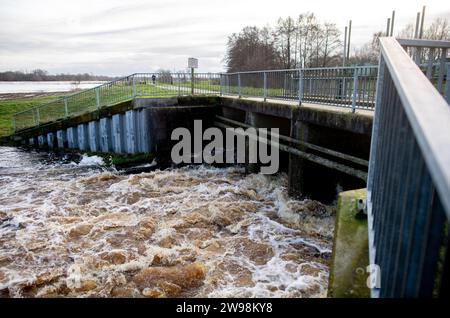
point(192, 62)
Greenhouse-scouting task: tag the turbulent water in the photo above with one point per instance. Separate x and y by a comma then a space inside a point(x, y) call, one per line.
point(76, 230)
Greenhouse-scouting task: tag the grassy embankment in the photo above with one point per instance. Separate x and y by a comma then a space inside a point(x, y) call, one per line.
point(11, 106)
point(77, 103)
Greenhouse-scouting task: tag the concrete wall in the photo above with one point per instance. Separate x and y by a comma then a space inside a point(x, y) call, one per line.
point(142, 127)
point(337, 130)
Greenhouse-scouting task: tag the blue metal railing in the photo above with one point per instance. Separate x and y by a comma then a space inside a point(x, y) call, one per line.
point(408, 188)
point(140, 84)
point(349, 87)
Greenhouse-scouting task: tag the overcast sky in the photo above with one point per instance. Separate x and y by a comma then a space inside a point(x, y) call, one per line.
point(114, 37)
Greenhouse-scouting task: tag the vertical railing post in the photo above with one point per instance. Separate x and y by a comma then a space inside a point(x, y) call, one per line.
point(355, 88)
point(208, 90)
point(442, 69)
point(265, 86)
point(134, 85)
point(192, 81)
point(239, 85)
point(66, 109)
point(300, 87)
point(97, 98)
point(221, 78)
point(447, 85)
point(38, 116)
point(14, 123)
point(179, 84)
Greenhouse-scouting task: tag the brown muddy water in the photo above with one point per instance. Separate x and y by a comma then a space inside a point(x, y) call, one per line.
point(82, 230)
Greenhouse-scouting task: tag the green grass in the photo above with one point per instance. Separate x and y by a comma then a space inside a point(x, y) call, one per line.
point(53, 108)
point(9, 107)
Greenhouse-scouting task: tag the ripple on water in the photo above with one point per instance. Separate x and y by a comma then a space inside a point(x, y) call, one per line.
point(188, 232)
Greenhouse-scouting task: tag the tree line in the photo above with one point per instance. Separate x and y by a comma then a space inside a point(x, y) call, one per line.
point(42, 75)
point(305, 41)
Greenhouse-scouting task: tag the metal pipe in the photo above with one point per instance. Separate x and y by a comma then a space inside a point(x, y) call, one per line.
point(392, 23)
point(349, 37)
point(345, 48)
point(416, 32)
point(388, 26)
point(421, 23)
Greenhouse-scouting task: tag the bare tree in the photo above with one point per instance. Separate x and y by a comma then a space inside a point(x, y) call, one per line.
point(293, 43)
point(439, 29)
point(368, 53)
point(285, 34)
point(252, 49)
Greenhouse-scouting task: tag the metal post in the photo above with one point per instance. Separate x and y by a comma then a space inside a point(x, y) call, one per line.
point(392, 23)
point(265, 86)
point(38, 116)
point(416, 31)
point(349, 37)
point(345, 47)
point(355, 88)
point(388, 24)
point(192, 81)
point(416, 51)
point(421, 23)
point(97, 95)
point(179, 84)
point(134, 86)
point(239, 85)
point(66, 109)
point(221, 84)
point(447, 85)
point(300, 87)
point(442, 69)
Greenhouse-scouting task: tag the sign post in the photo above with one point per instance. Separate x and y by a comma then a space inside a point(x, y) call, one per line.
point(192, 63)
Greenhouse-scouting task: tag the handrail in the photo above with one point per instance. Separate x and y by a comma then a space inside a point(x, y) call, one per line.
point(303, 69)
point(424, 43)
point(427, 111)
point(408, 185)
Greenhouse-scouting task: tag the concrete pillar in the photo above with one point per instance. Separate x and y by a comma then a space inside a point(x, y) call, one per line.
point(296, 177)
point(118, 140)
point(72, 137)
point(130, 131)
point(61, 136)
point(250, 119)
point(105, 135)
point(42, 140)
point(51, 140)
point(94, 138)
point(83, 138)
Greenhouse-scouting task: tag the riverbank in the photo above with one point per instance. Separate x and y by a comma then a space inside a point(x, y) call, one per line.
point(16, 102)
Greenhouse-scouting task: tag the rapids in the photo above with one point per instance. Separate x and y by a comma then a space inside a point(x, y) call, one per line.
point(83, 230)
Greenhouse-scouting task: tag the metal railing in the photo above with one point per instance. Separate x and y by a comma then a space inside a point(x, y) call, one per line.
point(432, 58)
point(140, 84)
point(408, 188)
point(351, 87)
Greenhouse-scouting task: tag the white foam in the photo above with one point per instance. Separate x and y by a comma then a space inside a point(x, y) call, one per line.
point(91, 161)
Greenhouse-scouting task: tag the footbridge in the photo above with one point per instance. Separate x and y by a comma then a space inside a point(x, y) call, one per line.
point(385, 128)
